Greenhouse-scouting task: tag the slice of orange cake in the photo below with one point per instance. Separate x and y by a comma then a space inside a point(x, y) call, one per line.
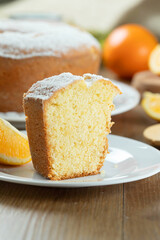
point(68, 118)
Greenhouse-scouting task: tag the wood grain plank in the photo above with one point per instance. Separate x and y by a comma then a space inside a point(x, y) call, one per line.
point(142, 198)
point(50, 213)
point(142, 209)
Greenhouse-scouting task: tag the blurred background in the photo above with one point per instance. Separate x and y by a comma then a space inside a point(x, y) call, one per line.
point(130, 53)
point(93, 15)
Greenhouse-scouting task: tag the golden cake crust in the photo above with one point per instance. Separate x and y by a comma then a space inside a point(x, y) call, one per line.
point(17, 76)
point(21, 67)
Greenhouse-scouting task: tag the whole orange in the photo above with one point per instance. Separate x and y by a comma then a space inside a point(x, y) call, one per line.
point(127, 49)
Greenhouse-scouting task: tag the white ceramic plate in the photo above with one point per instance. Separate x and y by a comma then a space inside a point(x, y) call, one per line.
point(124, 102)
point(128, 161)
point(129, 98)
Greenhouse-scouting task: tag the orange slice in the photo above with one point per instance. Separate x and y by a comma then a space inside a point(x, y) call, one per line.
point(151, 104)
point(152, 134)
point(14, 147)
point(154, 60)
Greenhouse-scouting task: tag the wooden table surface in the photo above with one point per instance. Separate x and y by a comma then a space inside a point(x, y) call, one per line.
point(128, 211)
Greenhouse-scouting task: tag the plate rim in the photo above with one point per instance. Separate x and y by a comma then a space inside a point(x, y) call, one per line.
point(134, 104)
point(48, 183)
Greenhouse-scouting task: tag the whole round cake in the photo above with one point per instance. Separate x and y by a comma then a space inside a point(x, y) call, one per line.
point(31, 51)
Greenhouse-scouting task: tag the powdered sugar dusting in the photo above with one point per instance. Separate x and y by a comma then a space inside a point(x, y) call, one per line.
point(45, 88)
point(22, 39)
point(91, 78)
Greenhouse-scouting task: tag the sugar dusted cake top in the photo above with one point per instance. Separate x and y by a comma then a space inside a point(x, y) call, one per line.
point(22, 39)
point(44, 89)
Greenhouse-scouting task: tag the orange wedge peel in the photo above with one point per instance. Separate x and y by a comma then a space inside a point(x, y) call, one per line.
point(154, 60)
point(14, 147)
point(151, 104)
